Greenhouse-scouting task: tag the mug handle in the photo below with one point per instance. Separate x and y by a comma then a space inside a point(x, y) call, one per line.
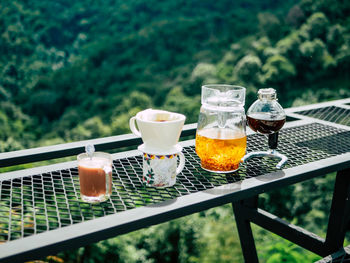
point(133, 127)
point(108, 172)
point(181, 164)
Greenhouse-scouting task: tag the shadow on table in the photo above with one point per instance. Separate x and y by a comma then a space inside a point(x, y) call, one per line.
point(164, 203)
point(232, 185)
point(333, 144)
point(271, 176)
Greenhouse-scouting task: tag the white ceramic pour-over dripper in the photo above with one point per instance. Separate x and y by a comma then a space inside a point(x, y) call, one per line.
point(160, 130)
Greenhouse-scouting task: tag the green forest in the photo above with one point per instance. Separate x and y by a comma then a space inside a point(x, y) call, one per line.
point(76, 70)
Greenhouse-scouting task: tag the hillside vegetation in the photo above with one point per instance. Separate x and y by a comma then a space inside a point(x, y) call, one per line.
point(75, 70)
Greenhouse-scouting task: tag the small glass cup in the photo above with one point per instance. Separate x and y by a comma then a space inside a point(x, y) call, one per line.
point(95, 176)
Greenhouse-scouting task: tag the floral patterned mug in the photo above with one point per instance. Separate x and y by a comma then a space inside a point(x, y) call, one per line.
point(161, 170)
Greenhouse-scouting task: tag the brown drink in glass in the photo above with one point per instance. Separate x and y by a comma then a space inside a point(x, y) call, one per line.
point(265, 124)
point(95, 177)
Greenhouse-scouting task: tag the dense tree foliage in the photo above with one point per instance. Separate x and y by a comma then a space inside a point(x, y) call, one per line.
point(66, 64)
point(67, 67)
point(75, 70)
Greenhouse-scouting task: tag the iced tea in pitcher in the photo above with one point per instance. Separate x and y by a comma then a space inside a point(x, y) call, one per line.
point(221, 139)
point(220, 150)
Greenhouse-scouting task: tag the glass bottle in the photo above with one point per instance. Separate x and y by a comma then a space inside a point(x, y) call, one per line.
point(266, 116)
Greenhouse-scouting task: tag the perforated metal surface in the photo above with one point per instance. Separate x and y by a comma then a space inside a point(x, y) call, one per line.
point(38, 203)
point(331, 113)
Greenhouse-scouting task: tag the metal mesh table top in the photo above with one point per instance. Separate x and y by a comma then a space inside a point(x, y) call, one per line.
point(42, 202)
point(332, 114)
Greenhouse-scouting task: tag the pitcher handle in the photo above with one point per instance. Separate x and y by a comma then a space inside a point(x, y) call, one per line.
point(181, 164)
point(133, 127)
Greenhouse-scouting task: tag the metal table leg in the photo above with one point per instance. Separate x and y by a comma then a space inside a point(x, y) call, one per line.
point(247, 211)
point(244, 228)
point(339, 217)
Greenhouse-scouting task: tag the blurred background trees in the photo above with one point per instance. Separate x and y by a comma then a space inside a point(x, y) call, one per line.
point(75, 70)
point(67, 63)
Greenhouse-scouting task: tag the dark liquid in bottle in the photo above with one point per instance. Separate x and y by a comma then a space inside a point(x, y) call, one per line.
point(265, 124)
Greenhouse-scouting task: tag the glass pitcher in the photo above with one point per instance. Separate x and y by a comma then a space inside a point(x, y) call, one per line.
point(221, 139)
